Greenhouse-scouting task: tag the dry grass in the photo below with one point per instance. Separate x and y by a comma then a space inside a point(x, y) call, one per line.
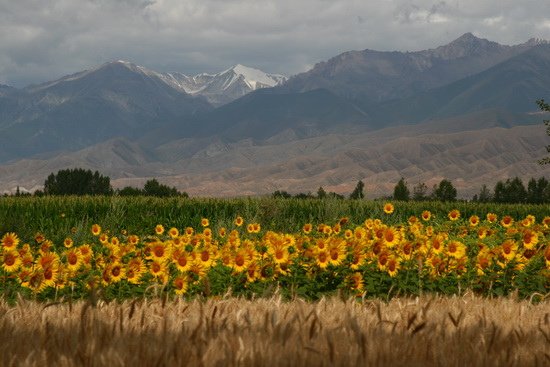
point(450, 331)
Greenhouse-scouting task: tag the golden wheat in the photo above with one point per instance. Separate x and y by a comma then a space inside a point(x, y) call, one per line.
point(428, 331)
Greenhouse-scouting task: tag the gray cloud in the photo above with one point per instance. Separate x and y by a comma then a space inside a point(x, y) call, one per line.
point(45, 39)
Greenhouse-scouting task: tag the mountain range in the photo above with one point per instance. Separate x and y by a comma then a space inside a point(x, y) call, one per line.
point(464, 111)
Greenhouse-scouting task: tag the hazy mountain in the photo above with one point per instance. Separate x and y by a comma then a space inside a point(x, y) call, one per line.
point(115, 99)
point(513, 86)
point(426, 152)
point(472, 103)
point(374, 76)
point(226, 86)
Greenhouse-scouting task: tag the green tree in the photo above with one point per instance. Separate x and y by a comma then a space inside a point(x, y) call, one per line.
point(130, 191)
point(445, 191)
point(545, 107)
point(321, 193)
point(281, 194)
point(154, 188)
point(401, 191)
point(536, 190)
point(77, 181)
point(358, 191)
point(420, 192)
point(484, 195)
point(511, 191)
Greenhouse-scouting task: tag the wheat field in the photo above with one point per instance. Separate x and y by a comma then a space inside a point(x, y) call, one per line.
point(426, 331)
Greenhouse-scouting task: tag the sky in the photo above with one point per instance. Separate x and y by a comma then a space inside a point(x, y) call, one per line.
point(42, 40)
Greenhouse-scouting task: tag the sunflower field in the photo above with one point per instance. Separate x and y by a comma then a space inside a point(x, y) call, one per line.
point(58, 249)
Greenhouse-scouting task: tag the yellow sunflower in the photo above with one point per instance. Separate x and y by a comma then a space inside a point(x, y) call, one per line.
point(180, 284)
point(454, 215)
point(426, 215)
point(96, 229)
point(509, 249)
point(388, 208)
point(10, 241)
point(10, 261)
point(530, 239)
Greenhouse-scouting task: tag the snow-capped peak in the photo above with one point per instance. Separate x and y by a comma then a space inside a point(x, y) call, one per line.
point(256, 78)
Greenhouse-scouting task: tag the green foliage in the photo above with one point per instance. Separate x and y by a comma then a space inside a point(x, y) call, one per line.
point(358, 191)
point(445, 191)
point(151, 188)
point(77, 181)
point(420, 192)
point(401, 191)
point(511, 191)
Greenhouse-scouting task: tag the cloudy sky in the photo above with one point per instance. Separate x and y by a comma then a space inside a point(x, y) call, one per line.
point(42, 40)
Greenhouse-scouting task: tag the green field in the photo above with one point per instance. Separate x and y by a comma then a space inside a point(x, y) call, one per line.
point(55, 217)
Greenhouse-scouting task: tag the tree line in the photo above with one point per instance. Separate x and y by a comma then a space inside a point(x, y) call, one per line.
point(78, 181)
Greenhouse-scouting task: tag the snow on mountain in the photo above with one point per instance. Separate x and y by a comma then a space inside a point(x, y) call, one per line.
point(226, 86)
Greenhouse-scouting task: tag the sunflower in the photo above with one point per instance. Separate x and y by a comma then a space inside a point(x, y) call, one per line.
point(530, 239)
point(87, 254)
point(322, 258)
point(206, 257)
point(407, 250)
point(39, 237)
point(279, 253)
point(135, 270)
point(348, 234)
point(357, 259)
point(104, 239)
point(117, 272)
point(546, 222)
point(437, 243)
point(180, 284)
point(96, 229)
point(257, 227)
point(10, 260)
point(36, 281)
point(133, 239)
point(68, 242)
point(205, 222)
point(158, 269)
point(509, 249)
point(426, 215)
point(197, 270)
point(393, 266)
point(356, 283)
point(51, 275)
point(10, 241)
point(47, 260)
point(454, 215)
point(507, 221)
point(173, 232)
point(337, 252)
point(222, 232)
point(159, 229)
point(382, 262)
point(239, 221)
point(388, 208)
point(159, 251)
point(74, 259)
point(483, 262)
point(492, 217)
point(336, 228)
point(182, 259)
point(239, 261)
point(391, 237)
point(456, 249)
point(474, 220)
point(253, 272)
